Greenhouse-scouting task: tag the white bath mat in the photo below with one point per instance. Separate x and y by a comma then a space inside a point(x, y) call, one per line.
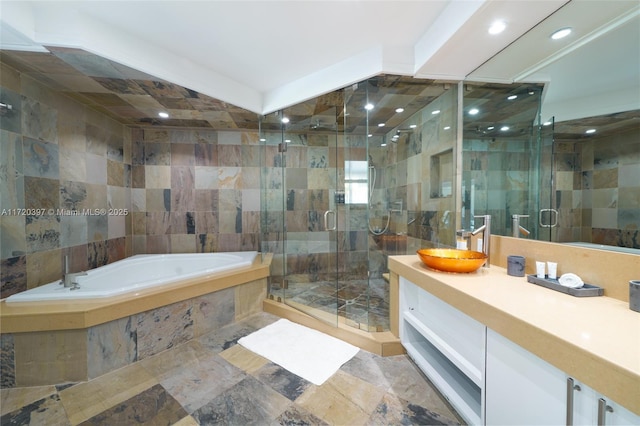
point(308, 353)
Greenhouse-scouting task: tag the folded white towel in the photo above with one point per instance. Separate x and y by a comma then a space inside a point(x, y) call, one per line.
point(570, 280)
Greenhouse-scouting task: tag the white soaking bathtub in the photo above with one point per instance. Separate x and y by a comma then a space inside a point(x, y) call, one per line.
point(136, 273)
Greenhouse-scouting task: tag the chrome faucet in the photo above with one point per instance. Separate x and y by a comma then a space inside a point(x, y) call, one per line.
point(486, 236)
point(70, 280)
point(516, 227)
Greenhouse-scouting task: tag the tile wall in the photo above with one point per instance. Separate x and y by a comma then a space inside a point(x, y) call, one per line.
point(63, 167)
point(598, 189)
point(496, 172)
point(195, 191)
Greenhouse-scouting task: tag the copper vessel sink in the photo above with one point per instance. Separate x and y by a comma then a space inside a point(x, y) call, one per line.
point(452, 260)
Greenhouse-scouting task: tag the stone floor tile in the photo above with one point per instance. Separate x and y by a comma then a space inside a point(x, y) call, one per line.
point(88, 399)
point(244, 359)
point(12, 399)
point(196, 385)
point(186, 421)
point(153, 406)
point(298, 416)
point(343, 400)
point(283, 381)
point(393, 410)
point(250, 402)
point(409, 383)
point(228, 336)
point(43, 412)
point(368, 367)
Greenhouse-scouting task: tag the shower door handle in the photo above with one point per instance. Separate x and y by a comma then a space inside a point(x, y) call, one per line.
point(326, 220)
point(553, 214)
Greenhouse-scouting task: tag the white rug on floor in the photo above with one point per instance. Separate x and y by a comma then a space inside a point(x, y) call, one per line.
point(308, 353)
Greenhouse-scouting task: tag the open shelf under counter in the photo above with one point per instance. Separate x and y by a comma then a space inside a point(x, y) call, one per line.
point(447, 345)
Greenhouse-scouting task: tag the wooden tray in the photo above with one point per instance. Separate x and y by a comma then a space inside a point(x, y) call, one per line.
point(587, 290)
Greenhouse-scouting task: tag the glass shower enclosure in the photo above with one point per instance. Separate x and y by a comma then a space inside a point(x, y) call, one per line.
point(349, 179)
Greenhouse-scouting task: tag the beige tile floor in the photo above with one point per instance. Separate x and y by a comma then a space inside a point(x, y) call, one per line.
point(212, 380)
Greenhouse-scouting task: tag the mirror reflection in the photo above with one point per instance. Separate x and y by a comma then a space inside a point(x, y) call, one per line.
point(569, 160)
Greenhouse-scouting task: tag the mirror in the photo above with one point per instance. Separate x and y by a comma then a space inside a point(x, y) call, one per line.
point(588, 167)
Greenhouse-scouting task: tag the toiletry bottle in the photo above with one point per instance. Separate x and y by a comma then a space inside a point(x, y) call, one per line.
point(463, 239)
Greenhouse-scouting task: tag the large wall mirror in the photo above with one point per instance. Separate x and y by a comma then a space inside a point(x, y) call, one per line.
point(569, 160)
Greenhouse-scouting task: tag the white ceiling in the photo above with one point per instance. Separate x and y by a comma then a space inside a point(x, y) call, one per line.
point(595, 71)
point(264, 55)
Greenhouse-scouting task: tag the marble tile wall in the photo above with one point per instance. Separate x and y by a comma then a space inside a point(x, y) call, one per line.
point(598, 189)
point(195, 191)
point(59, 159)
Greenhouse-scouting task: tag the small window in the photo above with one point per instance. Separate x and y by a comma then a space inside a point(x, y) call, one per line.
point(356, 182)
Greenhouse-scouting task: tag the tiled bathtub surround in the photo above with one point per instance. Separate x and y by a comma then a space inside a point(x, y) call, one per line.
point(184, 191)
point(58, 156)
point(59, 356)
point(195, 191)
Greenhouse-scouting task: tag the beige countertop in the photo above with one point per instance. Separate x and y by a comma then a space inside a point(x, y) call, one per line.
point(593, 339)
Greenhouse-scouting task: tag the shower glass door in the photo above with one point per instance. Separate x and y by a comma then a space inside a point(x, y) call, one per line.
point(311, 209)
point(547, 218)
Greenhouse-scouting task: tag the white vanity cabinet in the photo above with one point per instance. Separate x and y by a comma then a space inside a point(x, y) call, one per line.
point(488, 378)
point(524, 389)
point(448, 345)
point(521, 387)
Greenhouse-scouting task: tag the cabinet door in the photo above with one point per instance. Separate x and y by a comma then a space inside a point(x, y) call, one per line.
point(520, 387)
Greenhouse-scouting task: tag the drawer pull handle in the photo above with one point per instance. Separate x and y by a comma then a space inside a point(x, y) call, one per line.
point(603, 409)
point(570, 388)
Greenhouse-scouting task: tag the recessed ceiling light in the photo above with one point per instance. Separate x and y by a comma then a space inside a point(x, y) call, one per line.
point(163, 115)
point(285, 120)
point(497, 27)
point(512, 97)
point(490, 128)
point(263, 140)
point(474, 111)
point(413, 126)
point(368, 107)
point(383, 144)
point(447, 127)
point(590, 131)
point(369, 135)
point(435, 112)
point(287, 140)
point(561, 33)
point(380, 124)
point(504, 128)
point(546, 123)
point(399, 110)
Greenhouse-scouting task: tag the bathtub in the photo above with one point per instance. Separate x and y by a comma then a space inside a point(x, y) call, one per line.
point(136, 273)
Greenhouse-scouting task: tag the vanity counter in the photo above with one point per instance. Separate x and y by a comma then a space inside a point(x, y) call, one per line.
point(594, 339)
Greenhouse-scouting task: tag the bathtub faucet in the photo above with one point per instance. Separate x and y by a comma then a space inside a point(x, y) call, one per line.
point(70, 280)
